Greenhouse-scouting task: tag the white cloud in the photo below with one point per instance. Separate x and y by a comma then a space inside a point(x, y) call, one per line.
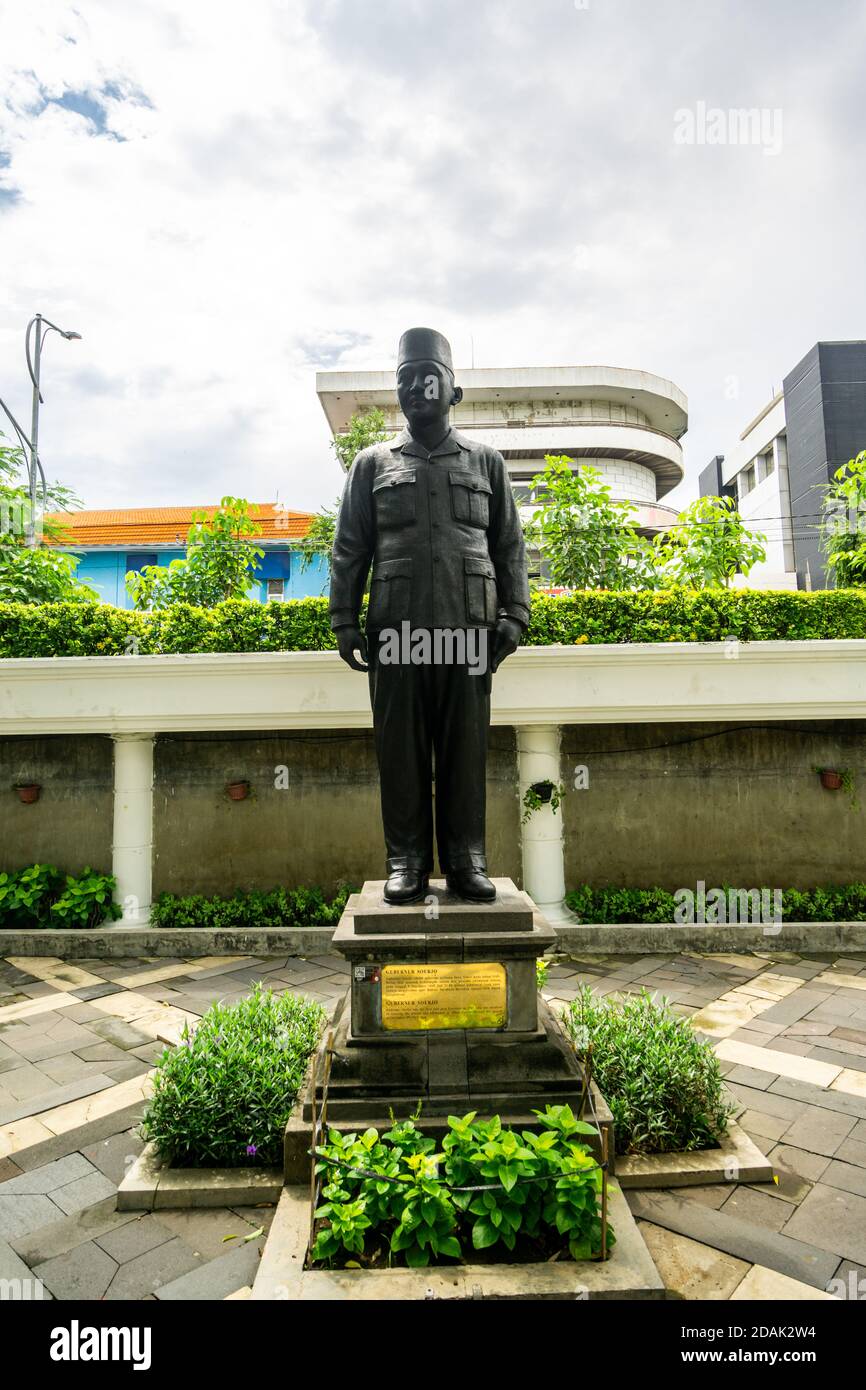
point(265, 185)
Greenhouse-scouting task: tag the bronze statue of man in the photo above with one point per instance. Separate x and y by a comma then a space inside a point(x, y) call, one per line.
point(435, 513)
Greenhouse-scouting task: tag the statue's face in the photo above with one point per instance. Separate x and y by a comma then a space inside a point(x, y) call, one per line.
point(425, 391)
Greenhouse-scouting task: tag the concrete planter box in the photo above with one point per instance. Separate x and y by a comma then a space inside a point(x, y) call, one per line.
point(736, 1159)
point(153, 1185)
point(629, 1273)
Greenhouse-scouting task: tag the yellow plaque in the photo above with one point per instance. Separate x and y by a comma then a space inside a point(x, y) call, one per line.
point(443, 996)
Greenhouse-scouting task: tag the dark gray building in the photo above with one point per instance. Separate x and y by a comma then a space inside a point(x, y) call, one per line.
point(788, 453)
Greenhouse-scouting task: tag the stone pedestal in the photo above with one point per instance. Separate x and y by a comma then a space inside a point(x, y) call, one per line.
point(444, 962)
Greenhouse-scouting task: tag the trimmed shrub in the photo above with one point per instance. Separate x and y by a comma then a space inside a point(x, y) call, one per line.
point(222, 1097)
point(605, 906)
point(662, 1082)
point(589, 617)
point(282, 907)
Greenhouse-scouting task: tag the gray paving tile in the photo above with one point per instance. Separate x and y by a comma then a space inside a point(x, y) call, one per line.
point(798, 1258)
point(819, 1131)
point(96, 991)
point(82, 1273)
point(838, 1059)
point(839, 1101)
point(150, 1272)
point(846, 1176)
point(20, 1215)
point(68, 1232)
point(59, 1095)
point(134, 1238)
point(833, 1221)
point(216, 1279)
point(49, 1177)
point(757, 1207)
point(86, 1192)
point(120, 1033)
point(13, 1268)
point(204, 1229)
point(115, 1155)
point(852, 1151)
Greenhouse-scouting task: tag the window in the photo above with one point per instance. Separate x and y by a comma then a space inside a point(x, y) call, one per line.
point(137, 559)
point(746, 480)
point(276, 589)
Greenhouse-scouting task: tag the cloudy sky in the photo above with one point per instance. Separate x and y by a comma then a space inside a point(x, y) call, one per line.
point(222, 198)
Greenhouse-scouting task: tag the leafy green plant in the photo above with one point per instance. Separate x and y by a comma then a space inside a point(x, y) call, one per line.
point(219, 564)
point(588, 539)
point(662, 1082)
point(41, 575)
point(42, 896)
point(222, 1097)
point(488, 1186)
point(583, 618)
point(542, 970)
point(86, 901)
point(26, 896)
point(843, 523)
point(708, 545)
point(542, 794)
point(282, 907)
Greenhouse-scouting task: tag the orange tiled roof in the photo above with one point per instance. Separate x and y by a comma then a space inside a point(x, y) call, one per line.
point(140, 527)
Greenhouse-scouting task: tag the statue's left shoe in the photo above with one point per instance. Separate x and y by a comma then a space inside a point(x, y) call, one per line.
point(472, 885)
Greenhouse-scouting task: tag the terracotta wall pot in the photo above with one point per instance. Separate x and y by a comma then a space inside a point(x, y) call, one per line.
point(28, 792)
point(238, 791)
point(831, 780)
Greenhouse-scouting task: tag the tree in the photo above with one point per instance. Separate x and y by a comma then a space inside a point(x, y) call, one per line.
point(44, 574)
point(588, 539)
point(364, 428)
point(219, 564)
point(843, 523)
point(708, 545)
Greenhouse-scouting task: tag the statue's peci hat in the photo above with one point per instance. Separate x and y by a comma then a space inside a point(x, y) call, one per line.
point(424, 345)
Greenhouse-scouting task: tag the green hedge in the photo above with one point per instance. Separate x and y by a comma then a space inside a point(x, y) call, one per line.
point(282, 907)
point(674, 615)
point(607, 906)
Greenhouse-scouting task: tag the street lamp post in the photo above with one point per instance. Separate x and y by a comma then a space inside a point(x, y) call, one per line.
point(43, 327)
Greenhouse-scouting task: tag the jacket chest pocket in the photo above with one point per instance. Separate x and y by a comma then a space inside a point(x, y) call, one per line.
point(470, 498)
point(394, 499)
point(390, 593)
point(481, 595)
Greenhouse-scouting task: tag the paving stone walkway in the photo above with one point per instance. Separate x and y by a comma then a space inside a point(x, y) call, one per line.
point(78, 1042)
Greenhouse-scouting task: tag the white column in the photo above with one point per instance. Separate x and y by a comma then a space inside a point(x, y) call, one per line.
point(132, 840)
point(543, 856)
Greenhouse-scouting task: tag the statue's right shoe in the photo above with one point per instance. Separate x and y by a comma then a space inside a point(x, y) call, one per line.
point(405, 886)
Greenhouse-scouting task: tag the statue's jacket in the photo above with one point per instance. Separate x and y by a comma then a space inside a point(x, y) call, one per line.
point(442, 532)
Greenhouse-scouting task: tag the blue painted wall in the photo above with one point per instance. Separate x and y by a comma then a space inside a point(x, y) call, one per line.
point(105, 571)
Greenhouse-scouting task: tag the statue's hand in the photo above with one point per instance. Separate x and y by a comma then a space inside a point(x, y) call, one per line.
point(349, 641)
point(506, 639)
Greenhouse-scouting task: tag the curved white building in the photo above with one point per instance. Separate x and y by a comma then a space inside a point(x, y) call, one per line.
point(626, 423)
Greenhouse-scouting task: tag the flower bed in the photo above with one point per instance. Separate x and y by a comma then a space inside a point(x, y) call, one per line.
point(490, 1194)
